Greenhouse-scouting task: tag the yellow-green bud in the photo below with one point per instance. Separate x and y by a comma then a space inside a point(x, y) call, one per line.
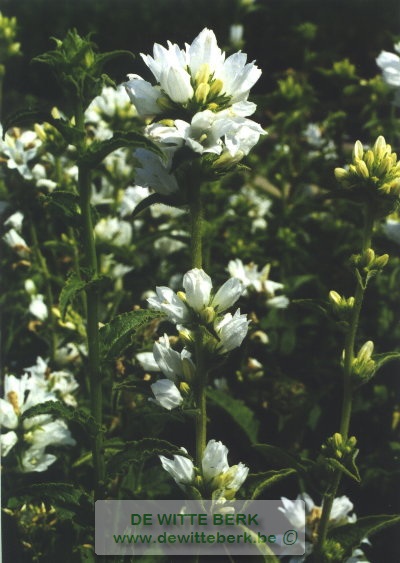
point(352, 441)
point(335, 298)
point(341, 174)
point(186, 336)
point(369, 158)
point(189, 371)
point(358, 150)
point(365, 351)
point(381, 261)
point(203, 74)
point(379, 147)
point(182, 296)
point(362, 168)
point(184, 388)
point(201, 93)
point(368, 257)
point(337, 440)
point(208, 315)
point(216, 87)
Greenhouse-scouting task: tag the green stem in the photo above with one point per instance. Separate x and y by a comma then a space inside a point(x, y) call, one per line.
point(92, 304)
point(48, 290)
point(196, 227)
point(349, 356)
point(196, 232)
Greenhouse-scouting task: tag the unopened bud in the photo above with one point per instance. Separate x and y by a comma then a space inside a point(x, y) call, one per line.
point(369, 158)
point(182, 296)
point(365, 352)
point(381, 261)
point(362, 168)
point(186, 336)
point(216, 87)
point(189, 371)
point(379, 147)
point(340, 174)
point(184, 388)
point(201, 93)
point(358, 150)
point(203, 74)
point(208, 315)
point(335, 298)
point(337, 440)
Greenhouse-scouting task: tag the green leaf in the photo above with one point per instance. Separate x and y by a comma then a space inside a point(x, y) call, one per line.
point(382, 359)
point(281, 458)
point(71, 414)
point(257, 482)
point(155, 198)
point(72, 287)
point(237, 410)
point(98, 150)
point(52, 493)
point(140, 450)
point(75, 285)
point(116, 335)
point(350, 535)
point(64, 204)
point(350, 469)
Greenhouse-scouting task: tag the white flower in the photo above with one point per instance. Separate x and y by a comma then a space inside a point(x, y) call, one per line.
point(199, 74)
point(20, 150)
point(35, 459)
point(7, 442)
point(17, 243)
point(153, 173)
point(180, 468)
point(169, 303)
point(147, 361)
point(227, 294)
point(113, 230)
point(215, 460)
point(258, 281)
point(143, 95)
point(197, 285)
point(392, 230)
point(38, 307)
point(171, 362)
point(390, 65)
point(67, 354)
point(231, 330)
point(15, 221)
point(166, 394)
point(63, 383)
point(216, 470)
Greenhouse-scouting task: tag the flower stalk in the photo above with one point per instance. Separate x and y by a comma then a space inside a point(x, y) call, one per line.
point(92, 307)
point(347, 401)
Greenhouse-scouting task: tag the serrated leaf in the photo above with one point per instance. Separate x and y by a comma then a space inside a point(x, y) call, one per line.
point(132, 140)
point(65, 204)
point(256, 483)
point(382, 359)
point(71, 414)
point(238, 411)
point(350, 536)
point(140, 450)
point(75, 285)
point(72, 287)
point(351, 470)
point(281, 458)
point(116, 335)
point(52, 493)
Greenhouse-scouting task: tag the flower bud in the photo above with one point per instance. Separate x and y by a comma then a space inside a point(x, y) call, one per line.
point(340, 174)
point(358, 150)
point(203, 74)
point(208, 315)
point(216, 87)
point(201, 93)
point(381, 261)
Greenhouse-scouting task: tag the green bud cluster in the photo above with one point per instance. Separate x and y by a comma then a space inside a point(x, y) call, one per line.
point(8, 46)
point(77, 66)
point(341, 305)
point(368, 261)
point(363, 367)
point(373, 176)
point(338, 448)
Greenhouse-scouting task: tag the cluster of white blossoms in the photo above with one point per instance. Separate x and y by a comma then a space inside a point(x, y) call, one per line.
point(258, 282)
point(196, 306)
point(390, 65)
point(217, 479)
point(30, 437)
point(340, 515)
point(201, 98)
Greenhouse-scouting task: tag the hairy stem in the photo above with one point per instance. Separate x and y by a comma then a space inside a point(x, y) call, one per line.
point(92, 307)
